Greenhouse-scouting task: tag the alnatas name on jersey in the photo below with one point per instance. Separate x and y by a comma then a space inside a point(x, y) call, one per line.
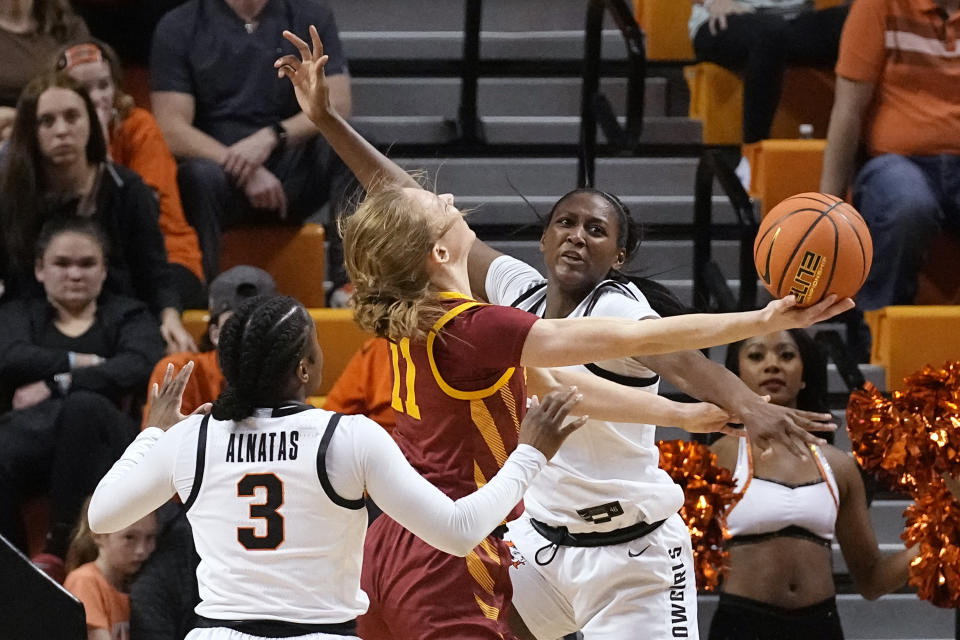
point(262, 447)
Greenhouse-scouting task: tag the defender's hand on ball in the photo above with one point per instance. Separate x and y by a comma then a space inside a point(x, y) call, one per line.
point(784, 314)
point(543, 427)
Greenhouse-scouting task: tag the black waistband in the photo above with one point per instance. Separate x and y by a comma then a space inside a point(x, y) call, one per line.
point(560, 537)
point(279, 628)
point(793, 531)
point(499, 532)
point(756, 607)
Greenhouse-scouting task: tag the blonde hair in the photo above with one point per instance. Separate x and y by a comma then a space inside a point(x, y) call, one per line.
point(386, 243)
point(83, 546)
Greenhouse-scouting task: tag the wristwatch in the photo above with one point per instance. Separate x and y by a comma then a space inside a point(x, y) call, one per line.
point(63, 382)
point(281, 132)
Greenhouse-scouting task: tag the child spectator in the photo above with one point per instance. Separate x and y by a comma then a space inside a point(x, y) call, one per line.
point(70, 367)
point(227, 291)
point(100, 569)
point(134, 141)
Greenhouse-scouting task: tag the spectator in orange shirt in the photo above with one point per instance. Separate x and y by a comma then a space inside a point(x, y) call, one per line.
point(366, 385)
point(227, 291)
point(135, 141)
point(898, 95)
point(100, 569)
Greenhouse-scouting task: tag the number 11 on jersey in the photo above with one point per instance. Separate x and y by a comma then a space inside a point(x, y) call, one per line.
point(408, 406)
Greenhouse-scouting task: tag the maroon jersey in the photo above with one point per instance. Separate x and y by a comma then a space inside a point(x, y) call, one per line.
point(460, 394)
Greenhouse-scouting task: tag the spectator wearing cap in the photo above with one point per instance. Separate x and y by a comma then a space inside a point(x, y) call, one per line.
point(227, 291)
point(248, 153)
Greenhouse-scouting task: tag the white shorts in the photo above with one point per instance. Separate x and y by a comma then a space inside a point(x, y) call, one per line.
point(642, 588)
point(222, 633)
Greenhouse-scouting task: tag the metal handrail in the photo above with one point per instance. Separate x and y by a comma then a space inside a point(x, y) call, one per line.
point(712, 166)
point(470, 131)
point(595, 108)
point(836, 349)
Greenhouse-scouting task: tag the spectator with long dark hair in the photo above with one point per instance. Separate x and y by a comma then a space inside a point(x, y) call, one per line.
point(56, 164)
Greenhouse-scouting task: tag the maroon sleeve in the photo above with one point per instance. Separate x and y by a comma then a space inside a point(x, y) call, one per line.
point(488, 336)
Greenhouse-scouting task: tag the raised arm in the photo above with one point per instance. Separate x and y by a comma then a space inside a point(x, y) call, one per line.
point(567, 341)
point(314, 93)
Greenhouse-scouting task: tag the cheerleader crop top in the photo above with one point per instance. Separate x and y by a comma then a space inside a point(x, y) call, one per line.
point(770, 508)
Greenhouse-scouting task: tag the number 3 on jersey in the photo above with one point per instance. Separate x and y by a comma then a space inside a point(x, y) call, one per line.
point(267, 510)
point(408, 406)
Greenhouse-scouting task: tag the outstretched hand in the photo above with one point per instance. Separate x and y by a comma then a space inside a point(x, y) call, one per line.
point(307, 76)
point(784, 313)
point(767, 423)
point(543, 427)
point(705, 417)
point(166, 398)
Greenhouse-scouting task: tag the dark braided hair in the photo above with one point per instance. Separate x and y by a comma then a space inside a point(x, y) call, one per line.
point(629, 232)
point(260, 347)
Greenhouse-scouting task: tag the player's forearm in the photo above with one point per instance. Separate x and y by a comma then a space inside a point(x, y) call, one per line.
point(606, 400)
point(699, 377)
point(371, 167)
point(567, 341)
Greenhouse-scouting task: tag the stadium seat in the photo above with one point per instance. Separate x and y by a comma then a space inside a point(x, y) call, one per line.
point(340, 338)
point(195, 321)
point(906, 338)
point(664, 22)
point(294, 256)
point(716, 99)
point(780, 168)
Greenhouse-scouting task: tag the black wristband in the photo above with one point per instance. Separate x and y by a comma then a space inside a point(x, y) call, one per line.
point(281, 132)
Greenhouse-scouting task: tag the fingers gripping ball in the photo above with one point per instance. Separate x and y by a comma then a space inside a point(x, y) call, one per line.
point(811, 245)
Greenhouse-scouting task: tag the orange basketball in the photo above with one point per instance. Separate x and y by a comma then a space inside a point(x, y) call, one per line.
point(812, 245)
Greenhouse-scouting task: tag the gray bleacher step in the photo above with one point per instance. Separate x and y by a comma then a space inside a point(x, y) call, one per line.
point(496, 96)
point(840, 565)
point(431, 129)
point(447, 15)
point(556, 176)
point(660, 259)
point(539, 44)
point(892, 617)
point(646, 209)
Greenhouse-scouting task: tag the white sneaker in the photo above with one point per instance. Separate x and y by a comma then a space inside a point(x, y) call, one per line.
point(743, 173)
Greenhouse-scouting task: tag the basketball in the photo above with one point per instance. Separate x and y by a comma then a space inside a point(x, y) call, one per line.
point(811, 245)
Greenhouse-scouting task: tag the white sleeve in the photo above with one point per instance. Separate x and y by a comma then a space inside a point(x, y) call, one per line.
point(455, 527)
point(507, 278)
point(139, 482)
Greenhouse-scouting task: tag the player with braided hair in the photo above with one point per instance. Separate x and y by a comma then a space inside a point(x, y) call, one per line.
point(274, 488)
point(459, 385)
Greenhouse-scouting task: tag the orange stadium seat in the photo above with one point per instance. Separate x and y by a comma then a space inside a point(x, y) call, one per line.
point(664, 23)
point(716, 99)
point(338, 334)
point(906, 338)
point(780, 168)
point(294, 256)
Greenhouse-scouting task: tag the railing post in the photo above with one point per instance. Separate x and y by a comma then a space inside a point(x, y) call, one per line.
point(468, 118)
point(591, 85)
point(702, 219)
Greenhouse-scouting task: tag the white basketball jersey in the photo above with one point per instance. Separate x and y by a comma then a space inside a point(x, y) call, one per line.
point(272, 534)
point(606, 475)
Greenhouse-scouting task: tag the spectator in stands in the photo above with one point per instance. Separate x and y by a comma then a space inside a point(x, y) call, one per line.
point(780, 582)
point(898, 95)
point(760, 38)
point(101, 567)
point(227, 291)
point(30, 32)
point(56, 164)
point(366, 385)
point(248, 153)
point(134, 141)
point(71, 366)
